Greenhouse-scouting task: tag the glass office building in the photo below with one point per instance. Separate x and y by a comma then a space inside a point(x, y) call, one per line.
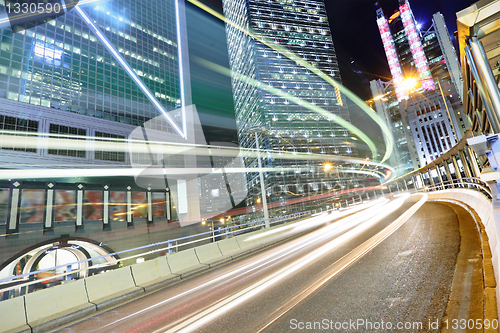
point(72, 83)
point(267, 84)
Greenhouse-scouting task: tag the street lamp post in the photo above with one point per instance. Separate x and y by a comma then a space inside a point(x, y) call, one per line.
point(212, 228)
point(262, 185)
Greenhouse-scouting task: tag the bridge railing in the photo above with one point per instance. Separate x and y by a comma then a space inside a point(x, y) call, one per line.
point(469, 183)
point(24, 283)
point(457, 168)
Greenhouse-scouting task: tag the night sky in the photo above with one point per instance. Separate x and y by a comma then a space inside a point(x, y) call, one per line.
point(356, 37)
point(357, 42)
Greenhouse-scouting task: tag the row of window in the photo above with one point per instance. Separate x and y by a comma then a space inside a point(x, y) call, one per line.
point(20, 127)
point(427, 110)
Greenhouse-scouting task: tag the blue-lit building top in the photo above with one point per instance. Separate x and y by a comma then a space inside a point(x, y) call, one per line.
point(69, 78)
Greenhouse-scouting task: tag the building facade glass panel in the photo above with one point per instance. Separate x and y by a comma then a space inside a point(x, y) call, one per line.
point(63, 65)
point(301, 27)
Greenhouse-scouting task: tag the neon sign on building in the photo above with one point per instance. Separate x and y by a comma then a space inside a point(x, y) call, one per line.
point(416, 47)
point(392, 57)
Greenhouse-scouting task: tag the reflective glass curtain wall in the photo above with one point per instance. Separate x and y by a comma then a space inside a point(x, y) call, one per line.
point(302, 27)
point(62, 65)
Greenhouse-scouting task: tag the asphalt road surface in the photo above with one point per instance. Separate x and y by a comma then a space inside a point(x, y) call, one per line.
point(355, 274)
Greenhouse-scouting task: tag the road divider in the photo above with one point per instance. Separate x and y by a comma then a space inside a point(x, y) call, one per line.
point(230, 247)
point(152, 274)
point(246, 243)
point(13, 316)
point(55, 306)
point(210, 254)
point(107, 289)
point(185, 263)
point(43, 313)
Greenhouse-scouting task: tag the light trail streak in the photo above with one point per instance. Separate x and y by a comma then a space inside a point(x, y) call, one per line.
point(194, 323)
point(306, 224)
point(24, 140)
point(126, 171)
point(264, 262)
point(328, 115)
point(18, 139)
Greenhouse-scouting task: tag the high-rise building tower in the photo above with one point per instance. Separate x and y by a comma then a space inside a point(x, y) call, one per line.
point(385, 103)
point(425, 70)
point(264, 79)
point(101, 73)
point(97, 71)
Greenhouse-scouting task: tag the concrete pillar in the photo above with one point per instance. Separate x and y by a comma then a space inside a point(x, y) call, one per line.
point(48, 213)
point(448, 174)
point(473, 161)
point(105, 205)
point(406, 185)
point(79, 204)
point(440, 177)
point(149, 199)
point(429, 172)
point(458, 174)
point(167, 202)
point(14, 205)
point(465, 163)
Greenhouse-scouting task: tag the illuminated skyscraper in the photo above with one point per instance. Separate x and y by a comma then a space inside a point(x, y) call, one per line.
point(392, 56)
point(267, 87)
point(98, 71)
point(385, 103)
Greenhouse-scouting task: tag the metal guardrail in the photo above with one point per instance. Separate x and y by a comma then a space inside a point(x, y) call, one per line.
point(469, 183)
point(464, 183)
point(22, 282)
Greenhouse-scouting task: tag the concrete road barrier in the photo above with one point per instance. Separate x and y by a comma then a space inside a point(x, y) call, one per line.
point(150, 274)
point(13, 316)
point(246, 242)
point(49, 308)
point(210, 254)
point(488, 213)
point(185, 263)
point(112, 287)
point(229, 247)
